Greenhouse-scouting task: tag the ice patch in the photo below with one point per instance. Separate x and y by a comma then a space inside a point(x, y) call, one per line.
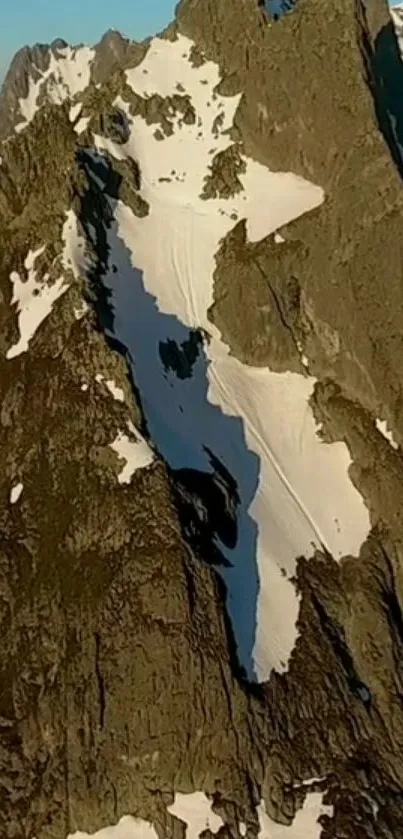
point(134, 450)
point(295, 491)
point(126, 828)
point(195, 810)
point(305, 824)
point(383, 429)
point(34, 300)
point(116, 391)
point(68, 73)
point(15, 493)
point(279, 239)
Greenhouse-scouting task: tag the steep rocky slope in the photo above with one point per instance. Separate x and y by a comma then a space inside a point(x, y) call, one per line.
point(201, 410)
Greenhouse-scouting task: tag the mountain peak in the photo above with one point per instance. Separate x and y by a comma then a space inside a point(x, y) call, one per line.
point(201, 407)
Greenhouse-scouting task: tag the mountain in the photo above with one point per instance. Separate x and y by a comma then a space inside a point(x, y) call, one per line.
point(57, 73)
point(201, 409)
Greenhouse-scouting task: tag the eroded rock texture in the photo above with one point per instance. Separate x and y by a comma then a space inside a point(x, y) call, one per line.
point(120, 680)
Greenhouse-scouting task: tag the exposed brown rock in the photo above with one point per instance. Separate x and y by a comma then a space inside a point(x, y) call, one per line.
point(120, 681)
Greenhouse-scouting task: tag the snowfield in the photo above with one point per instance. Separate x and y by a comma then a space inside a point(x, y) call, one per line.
point(295, 491)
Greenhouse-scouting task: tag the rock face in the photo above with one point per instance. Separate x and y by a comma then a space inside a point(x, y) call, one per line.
point(123, 517)
point(27, 66)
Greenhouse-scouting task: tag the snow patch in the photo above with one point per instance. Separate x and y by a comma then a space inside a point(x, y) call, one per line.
point(15, 493)
point(34, 300)
point(68, 74)
point(372, 802)
point(295, 491)
point(195, 810)
point(309, 782)
point(305, 824)
point(81, 310)
point(116, 391)
point(127, 828)
point(82, 125)
point(75, 110)
point(134, 450)
point(74, 257)
point(383, 429)
point(304, 358)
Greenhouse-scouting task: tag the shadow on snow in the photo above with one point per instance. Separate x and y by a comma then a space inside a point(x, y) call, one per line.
point(215, 474)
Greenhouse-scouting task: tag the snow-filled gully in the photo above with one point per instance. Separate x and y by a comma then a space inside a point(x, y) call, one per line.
point(295, 492)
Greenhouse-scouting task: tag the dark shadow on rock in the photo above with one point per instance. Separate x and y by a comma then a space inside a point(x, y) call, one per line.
point(214, 474)
point(335, 636)
point(385, 79)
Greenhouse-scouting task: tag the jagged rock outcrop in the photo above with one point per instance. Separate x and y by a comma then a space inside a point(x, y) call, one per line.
point(27, 66)
point(121, 683)
point(104, 608)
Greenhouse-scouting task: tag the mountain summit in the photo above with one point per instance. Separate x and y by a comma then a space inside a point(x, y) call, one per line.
point(201, 409)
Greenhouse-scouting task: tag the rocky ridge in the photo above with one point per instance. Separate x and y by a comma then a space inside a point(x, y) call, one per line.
point(121, 681)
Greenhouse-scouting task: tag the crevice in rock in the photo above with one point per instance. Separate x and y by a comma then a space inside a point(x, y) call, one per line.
point(335, 637)
point(100, 681)
point(394, 614)
point(278, 305)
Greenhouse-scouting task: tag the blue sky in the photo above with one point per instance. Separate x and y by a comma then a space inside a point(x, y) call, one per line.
point(28, 21)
